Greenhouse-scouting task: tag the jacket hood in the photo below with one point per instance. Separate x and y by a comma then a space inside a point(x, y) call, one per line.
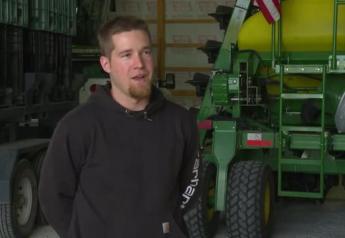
point(103, 96)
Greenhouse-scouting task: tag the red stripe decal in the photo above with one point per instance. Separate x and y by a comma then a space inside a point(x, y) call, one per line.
point(205, 124)
point(259, 143)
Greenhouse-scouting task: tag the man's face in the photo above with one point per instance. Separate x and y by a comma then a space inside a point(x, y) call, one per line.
point(130, 65)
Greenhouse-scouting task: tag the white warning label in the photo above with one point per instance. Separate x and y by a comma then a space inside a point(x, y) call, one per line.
point(254, 136)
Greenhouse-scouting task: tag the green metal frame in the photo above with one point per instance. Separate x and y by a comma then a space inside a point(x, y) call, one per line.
point(270, 141)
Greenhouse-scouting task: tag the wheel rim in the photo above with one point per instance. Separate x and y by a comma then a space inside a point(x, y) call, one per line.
point(267, 202)
point(23, 200)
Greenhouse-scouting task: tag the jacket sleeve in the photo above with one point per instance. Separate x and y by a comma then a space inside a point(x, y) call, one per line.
point(59, 176)
point(191, 167)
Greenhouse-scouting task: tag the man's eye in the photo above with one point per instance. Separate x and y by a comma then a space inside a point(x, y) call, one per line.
point(127, 55)
point(147, 52)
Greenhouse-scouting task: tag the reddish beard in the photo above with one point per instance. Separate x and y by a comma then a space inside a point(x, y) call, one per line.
point(140, 91)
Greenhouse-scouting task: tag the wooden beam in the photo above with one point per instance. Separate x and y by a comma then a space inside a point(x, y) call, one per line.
point(184, 21)
point(183, 93)
point(189, 69)
point(181, 45)
point(184, 45)
point(161, 39)
point(191, 21)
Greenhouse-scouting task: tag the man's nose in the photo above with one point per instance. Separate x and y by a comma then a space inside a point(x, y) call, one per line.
point(138, 61)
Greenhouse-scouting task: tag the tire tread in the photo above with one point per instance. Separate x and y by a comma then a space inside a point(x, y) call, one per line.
point(6, 229)
point(243, 210)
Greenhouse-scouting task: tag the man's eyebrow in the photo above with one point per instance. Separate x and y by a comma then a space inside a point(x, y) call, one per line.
point(131, 50)
point(125, 51)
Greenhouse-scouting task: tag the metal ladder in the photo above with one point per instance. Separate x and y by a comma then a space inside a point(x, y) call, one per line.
point(285, 97)
point(286, 130)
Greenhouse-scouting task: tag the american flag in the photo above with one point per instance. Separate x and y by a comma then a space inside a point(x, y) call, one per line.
point(269, 8)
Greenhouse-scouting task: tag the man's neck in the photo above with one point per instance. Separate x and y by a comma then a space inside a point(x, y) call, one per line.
point(130, 103)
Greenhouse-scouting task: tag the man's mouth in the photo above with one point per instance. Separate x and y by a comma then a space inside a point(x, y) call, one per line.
point(139, 77)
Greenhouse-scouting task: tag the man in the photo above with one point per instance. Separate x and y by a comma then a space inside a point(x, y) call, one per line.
point(124, 164)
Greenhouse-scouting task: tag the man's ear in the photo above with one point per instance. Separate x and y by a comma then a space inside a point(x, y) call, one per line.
point(105, 63)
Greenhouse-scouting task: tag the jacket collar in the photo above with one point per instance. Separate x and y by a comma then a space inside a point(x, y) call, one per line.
point(156, 102)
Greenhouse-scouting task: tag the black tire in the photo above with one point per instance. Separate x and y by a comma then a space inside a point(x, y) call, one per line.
point(249, 200)
point(37, 165)
point(17, 219)
point(202, 220)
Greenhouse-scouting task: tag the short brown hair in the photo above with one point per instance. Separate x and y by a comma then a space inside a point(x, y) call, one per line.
point(118, 25)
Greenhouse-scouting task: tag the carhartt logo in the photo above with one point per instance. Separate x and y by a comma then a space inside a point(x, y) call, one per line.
point(166, 227)
point(186, 196)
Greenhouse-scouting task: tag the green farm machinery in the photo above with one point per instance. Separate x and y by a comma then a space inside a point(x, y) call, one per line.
point(272, 117)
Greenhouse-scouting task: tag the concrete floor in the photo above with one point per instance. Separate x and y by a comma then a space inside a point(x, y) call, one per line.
point(292, 219)
point(309, 220)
